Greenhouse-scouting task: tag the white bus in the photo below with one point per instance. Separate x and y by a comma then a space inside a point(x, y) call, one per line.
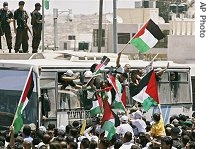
point(61, 107)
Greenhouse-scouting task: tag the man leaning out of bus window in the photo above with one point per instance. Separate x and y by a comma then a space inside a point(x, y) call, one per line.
point(68, 78)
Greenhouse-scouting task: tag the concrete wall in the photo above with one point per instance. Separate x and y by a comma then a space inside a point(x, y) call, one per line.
point(181, 49)
point(138, 15)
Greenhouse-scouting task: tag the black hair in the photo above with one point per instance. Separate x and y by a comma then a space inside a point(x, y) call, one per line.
point(105, 142)
point(68, 127)
point(69, 139)
point(93, 144)
point(93, 67)
point(118, 144)
point(73, 145)
point(21, 2)
point(85, 143)
point(128, 136)
point(27, 130)
point(168, 140)
point(156, 117)
point(50, 126)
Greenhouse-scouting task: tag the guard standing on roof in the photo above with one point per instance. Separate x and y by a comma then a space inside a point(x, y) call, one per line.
point(21, 17)
point(6, 17)
point(36, 22)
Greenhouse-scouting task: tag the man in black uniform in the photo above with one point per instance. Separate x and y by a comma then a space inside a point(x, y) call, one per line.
point(36, 22)
point(21, 16)
point(6, 16)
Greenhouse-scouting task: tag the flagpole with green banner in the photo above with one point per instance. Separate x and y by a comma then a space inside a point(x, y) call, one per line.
point(22, 95)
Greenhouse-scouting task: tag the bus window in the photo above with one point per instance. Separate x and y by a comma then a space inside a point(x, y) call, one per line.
point(11, 87)
point(179, 85)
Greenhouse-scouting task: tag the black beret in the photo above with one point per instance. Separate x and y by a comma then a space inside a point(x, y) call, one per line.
point(21, 2)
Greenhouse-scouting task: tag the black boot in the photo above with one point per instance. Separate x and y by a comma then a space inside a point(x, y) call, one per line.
point(34, 51)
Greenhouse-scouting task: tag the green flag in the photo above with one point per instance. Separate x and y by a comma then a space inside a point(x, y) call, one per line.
point(46, 4)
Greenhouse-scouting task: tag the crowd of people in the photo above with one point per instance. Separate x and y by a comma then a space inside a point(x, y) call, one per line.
point(20, 23)
point(134, 132)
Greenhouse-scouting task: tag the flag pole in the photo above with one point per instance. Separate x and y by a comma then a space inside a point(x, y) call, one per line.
point(22, 94)
point(131, 38)
point(95, 74)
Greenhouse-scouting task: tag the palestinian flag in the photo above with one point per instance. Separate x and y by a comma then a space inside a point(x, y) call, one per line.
point(147, 37)
point(116, 92)
point(123, 97)
point(146, 92)
point(104, 61)
point(97, 105)
point(26, 94)
point(108, 121)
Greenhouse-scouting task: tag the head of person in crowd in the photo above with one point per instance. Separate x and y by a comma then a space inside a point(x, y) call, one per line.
point(173, 117)
point(190, 145)
point(118, 143)
point(55, 145)
point(50, 126)
point(175, 132)
point(74, 132)
point(168, 128)
point(156, 117)
point(37, 6)
point(185, 140)
point(142, 139)
point(135, 147)
point(93, 67)
point(93, 144)
point(84, 143)
point(68, 128)
point(136, 76)
point(73, 145)
point(26, 131)
point(166, 142)
point(127, 68)
point(69, 139)
point(5, 6)
point(137, 115)
point(182, 118)
point(175, 122)
point(127, 137)
point(46, 138)
point(104, 143)
point(27, 145)
point(41, 145)
point(21, 5)
point(70, 75)
point(124, 119)
point(188, 123)
point(63, 144)
point(76, 124)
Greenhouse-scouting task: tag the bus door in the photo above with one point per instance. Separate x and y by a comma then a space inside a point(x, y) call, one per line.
point(48, 97)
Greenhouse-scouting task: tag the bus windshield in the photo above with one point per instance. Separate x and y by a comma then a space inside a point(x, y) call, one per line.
point(12, 83)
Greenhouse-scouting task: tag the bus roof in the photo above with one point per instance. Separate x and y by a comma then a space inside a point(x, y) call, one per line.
point(67, 59)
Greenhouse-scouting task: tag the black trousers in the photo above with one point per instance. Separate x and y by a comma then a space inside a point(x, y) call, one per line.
point(8, 38)
point(36, 38)
point(21, 39)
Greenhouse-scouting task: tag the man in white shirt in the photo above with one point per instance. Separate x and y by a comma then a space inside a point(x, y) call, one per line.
point(124, 127)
